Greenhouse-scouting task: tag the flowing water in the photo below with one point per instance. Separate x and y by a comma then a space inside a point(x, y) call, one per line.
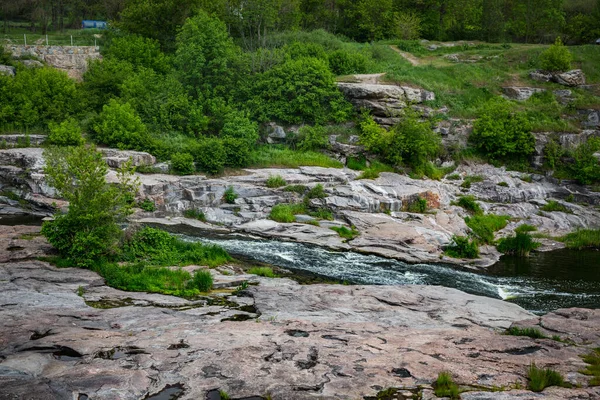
point(544, 282)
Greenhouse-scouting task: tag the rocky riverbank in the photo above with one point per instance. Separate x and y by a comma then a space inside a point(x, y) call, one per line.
point(377, 208)
point(66, 335)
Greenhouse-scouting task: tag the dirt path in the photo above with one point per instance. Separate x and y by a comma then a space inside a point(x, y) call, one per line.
point(414, 61)
point(368, 78)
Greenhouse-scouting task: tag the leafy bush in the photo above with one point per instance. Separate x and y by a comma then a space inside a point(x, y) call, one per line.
point(202, 280)
point(462, 247)
point(529, 332)
point(539, 378)
point(586, 168)
point(182, 163)
point(444, 386)
point(147, 205)
point(139, 51)
point(210, 155)
point(583, 238)
point(298, 50)
point(470, 204)
point(230, 195)
point(556, 58)
point(343, 62)
point(286, 212)
point(312, 138)
point(500, 134)
point(554, 205)
point(103, 81)
point(345, 233)
point(484, 226)
point(239, 138)
point(89, 230)
point(67, 133)
point(317, 192)
point(195, 214)
point(418, 205)
point(520, 245)
point(298, 91)
point(119, 125)
point(267, 272)
point(553, 153)
point(275, 181)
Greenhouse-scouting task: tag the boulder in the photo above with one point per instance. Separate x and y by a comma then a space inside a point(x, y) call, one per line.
point(571, 78)
point(540, 76)
point(275, 133)
point(7, 70)
point(117, 158)
point(520, 93)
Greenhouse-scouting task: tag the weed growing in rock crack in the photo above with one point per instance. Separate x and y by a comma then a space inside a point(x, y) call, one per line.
point(526, 178)
point(275, 181)
point(230, 195)
point(286, 212)
point(484, 226)
point(243, 286)
point(540, 378)
point(202, 280)
point(418, 205)
point(469, 203)
point(462, 247)
point(147, 205)
point(317, 192)
point(300, 189)
point(267, 272)
point(469, 180)
point(80, 291)
point(346, 233)
point(444, 386)
point(223, 394)
point(453, 177)
point(503, 184)
point(529, 332)
point(195, 214)
point(593, 367)
point(553, 206)
point(524, 228)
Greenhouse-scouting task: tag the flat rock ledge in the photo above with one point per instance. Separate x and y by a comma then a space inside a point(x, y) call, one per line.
point(65, 335)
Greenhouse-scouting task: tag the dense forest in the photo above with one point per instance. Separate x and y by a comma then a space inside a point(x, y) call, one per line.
point(251, 21)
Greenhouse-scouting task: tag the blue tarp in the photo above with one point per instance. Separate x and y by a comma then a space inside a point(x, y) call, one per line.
point(87, 24)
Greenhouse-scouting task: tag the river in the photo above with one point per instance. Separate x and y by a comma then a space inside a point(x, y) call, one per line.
point(541, 283)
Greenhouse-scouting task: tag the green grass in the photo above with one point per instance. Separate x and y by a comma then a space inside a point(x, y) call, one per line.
point(345, 233)
point(444, 386)
point(267, 272)
point(275, 181)
point(583, 238)
point(524, 228)
point(484, 226)
point(453, 177)
point(462, 247)
point(195, 214)
point(147, 205)
point(554, 205)
point(469, 180)
point(230, 195)
point(417, 205)
point(300, 189)
point(529, 332)
point(287, 212)
point(469, 203)
point(593, 367)
point(519, 245)
point(317, 192)
point(373, 171)
point(276, 156)
point(539, 378)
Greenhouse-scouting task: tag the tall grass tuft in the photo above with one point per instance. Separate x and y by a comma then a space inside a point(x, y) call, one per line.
point(539, 378)
point(583, 238)
point(484, 226)
point(520, 245)
point(444, 386)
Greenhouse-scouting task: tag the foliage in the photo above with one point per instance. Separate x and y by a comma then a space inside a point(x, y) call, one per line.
point(524, 228)
point(529, 332)
point(519, 245)
point(317, 192)
point(470, 204)
point(272, 156)
point(586, 167)
point(417, 205)
point(462, 247)
point(240, 135)
point(275, 181)
point(89, 230)
point(539, 378)
point(470, 179)
point(102, 81)
point(501, 134)
point(119, 125)
point(195, 214)
point(344, 62)
point(210, 155)
point(593, 367)
point(583, 238)
point(267, 272)
point(312, 138)
point(345, 233)
point(139, 51)
point(202, 280)
point(182, 163)
point(444, 386)
point(553, 153)
point(554, 205)
point(230, 195)
point(286, 212)
point(298, 91)
point(556, 58)
point(484, 226)
point(67, 133)
point(147, 205)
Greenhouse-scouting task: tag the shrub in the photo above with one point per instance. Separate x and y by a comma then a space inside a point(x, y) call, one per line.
point(147, 205)
point(539, 378)
point(202, 280)
point(462, 247)
point(554, 205)
point(529, 332)
point(586, 168)
point(182, 163)
point(520, 245)
point(239, 137)
point(286, 212)
point(470, 204)
point(119, 125)
point(210, 155)
point(343, 62)
point(553, 153)
point(418, 205)
point(444, 386)
point(275, 181)
point(484, 226)
point(312, 138)
point(195, 214)
point(556, 58)
point(344, 232)
point(89, 230)
point(317, 192)
point(500, 134)
point(139, 52)
point(267, 272)
point(67, 133)
point(230, 195)
point(583, 238)
point(103, 80)
point(298, 50)
point(471, 179)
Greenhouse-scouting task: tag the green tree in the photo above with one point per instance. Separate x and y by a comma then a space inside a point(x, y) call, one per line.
point(119, 125)
point(67, 133)
point(102, 81)
point(556, 58)
point(139, 52)
point(89, 230)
